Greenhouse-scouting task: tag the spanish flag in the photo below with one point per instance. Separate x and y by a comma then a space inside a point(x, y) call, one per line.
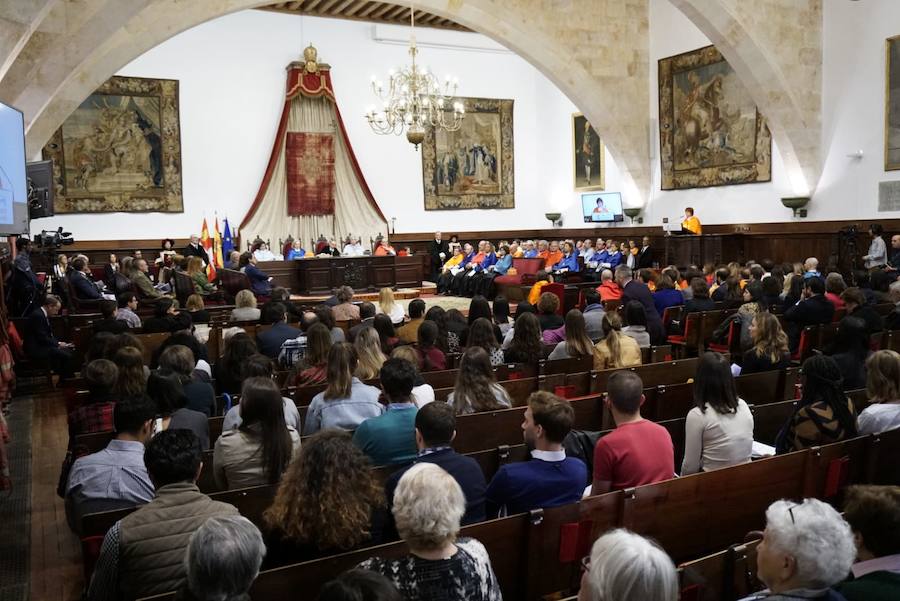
point(218, 259)
point(207, 243)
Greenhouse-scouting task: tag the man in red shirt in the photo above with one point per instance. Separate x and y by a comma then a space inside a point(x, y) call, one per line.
point(638, 451)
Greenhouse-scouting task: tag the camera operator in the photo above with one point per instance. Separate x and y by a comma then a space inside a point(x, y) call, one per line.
point(24, 287)
point(877, 255)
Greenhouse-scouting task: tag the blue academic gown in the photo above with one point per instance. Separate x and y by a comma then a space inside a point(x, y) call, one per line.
point(530, 254)
point(567, 262)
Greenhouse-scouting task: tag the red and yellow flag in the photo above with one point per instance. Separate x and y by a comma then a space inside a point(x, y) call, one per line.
point(207, 244)
point(218, 259)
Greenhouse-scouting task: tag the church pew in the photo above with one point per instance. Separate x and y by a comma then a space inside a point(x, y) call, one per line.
point(724, 576)
point(564, 366)
point(728, 502)
point(833, 466)
point(653, 374)
point(882, 465)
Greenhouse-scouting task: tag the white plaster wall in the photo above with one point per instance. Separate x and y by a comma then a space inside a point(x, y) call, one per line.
point(231, 73)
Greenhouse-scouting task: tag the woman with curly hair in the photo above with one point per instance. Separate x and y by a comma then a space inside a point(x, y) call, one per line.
point(527, 345)
point(476, 386)
point(329, 501)
point(770, 346)
point(369, 357)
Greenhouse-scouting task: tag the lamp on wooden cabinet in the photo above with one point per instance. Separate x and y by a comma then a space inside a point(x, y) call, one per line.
point(796, 204)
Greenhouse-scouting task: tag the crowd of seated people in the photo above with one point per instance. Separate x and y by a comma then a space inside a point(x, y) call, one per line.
point(327, 500)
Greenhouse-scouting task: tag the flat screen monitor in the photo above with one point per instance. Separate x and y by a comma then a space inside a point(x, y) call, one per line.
point(602, 207)
point(13, 187)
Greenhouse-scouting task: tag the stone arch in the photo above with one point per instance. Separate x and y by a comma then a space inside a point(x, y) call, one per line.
point(597, 56)
point(775, 47)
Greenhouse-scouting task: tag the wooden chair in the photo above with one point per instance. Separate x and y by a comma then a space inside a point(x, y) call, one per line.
point(182, 285)
point(233, 281)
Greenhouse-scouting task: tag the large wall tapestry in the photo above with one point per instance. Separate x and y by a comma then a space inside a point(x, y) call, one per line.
point(472, 168)
point(710, 131)
point(892, 105)
point(310, 173)
point(120, 150)
point(587, 152)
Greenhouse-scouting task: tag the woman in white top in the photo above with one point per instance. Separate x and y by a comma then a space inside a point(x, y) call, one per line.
point(260, 449)
point(390, 307)
point(883, 390)
point(636, 318)
point(476, 386)
point(264, 254)
point(719, 430)
point(245, 307)
point(422, 392)
point(577, 343)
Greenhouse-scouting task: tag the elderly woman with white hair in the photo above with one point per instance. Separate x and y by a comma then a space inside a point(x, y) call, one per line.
point(623, 566)
point(222, 560)
point(428, 506)
point(806, 549)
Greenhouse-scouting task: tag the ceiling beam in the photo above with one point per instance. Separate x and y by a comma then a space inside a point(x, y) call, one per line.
point(354, 8)
point(311, 6)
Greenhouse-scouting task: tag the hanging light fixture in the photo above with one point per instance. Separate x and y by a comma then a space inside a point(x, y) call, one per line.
point(415, 99)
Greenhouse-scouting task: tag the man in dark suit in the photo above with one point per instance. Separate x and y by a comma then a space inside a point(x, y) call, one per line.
point(440, 252)
point(82, 285)
point(39, 342)
point(813, 309)
point(269, 341)
point(435, 430)
point(195, 250)
point(633, 290)
point(367, 320)
point(645, 255)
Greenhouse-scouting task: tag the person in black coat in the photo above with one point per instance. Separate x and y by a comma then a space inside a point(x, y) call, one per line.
point(850, 350)
point(855, 303)
point(109, 323)
point(813, 309)
point(435, 431)
point(632, 290)
point(269, 341)
point(195, 250)
point(439, 251)
point(40, 344)
point(645, 254)
point(82, 284)
point(23, 293)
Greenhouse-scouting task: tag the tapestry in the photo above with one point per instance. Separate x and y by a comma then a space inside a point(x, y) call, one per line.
point(892, 105)
point(310, 173)
point(120, 150)
point(587, 152)
point(710, 131)
point(471, 168)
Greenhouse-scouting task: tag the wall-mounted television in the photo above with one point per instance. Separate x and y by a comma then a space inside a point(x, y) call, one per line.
point(602, 207)
point(13, 187)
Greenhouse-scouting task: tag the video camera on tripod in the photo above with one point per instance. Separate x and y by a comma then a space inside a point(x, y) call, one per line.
point(50, 241)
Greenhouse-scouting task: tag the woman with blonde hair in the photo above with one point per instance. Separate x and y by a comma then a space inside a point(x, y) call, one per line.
point(770, 345)
point(346, 402)
point(197, 274)
point(883, 391)
point(197, 308)
point(368, 354)
point(329, 501)
point(390, 307)
point(245, 307)
point(616, 349)
point(476, 386)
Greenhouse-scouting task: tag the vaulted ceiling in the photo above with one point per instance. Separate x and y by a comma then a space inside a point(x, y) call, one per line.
point(363, 10)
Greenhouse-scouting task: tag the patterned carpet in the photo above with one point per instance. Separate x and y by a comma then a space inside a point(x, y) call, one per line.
point(15, 507)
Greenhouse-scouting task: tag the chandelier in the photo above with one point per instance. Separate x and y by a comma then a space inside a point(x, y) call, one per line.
point(415, 99)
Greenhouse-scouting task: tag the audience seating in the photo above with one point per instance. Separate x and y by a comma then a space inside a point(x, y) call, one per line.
point(511, 286)
point(724, 576)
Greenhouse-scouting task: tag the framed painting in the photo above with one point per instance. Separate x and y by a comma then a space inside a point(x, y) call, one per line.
point(589, 164)
point(710, 131)
point(120, 150)
point(472, 167)
point(892, 105)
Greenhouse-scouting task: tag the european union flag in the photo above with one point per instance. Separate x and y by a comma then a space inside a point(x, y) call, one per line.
point(227, 244)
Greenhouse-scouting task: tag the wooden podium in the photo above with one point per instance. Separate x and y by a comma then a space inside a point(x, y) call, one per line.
point(685, 250)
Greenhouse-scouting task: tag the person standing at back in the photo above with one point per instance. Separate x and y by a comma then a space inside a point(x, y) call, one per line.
point(550, 479)
point(638, 451)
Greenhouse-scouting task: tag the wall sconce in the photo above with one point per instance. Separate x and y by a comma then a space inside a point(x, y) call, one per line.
point(634, 212)
point(797, 204)
point(554, 218)
point(858, 155)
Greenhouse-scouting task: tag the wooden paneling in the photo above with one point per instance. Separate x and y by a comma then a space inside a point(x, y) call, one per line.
point(320, 276)
point(363, 10)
